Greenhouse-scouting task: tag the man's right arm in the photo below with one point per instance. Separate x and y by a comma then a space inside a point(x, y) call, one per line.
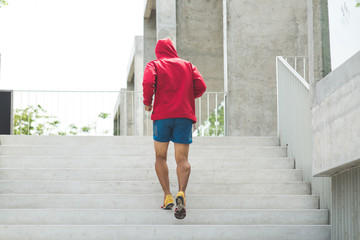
point(199, 84)
point(149, 83)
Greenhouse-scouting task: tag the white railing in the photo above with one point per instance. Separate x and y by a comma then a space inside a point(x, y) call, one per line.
point(294, 126)
point(294, 116)
point(298, 63)
point(132, 119)
point(93, 113)
point(211, 118)
point(63, 112)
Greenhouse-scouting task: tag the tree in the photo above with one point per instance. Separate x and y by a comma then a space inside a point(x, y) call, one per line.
point(211, 127)
point(35, 121)
point(28, 121)
point(3, 3)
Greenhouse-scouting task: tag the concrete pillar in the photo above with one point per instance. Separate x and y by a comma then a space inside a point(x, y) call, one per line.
point(6, 112)
point(150, 40)
point(138, 79)
point(256, 32)
point(319, 43)
point(149, 37)
point(199, 36)
point(166, 20)
point(126, 103)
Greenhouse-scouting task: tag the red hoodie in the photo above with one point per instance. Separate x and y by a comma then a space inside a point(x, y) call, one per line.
point(176, 84)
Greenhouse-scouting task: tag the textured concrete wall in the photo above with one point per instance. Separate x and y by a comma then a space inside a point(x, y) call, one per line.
point(345, 212)
point(318, 43)
point(258, 31)
point(126, 113)
point(166, 20)
point(150, 37)
point(138, 79)
point(150, 40)
point(199, 38)
point(335, 121)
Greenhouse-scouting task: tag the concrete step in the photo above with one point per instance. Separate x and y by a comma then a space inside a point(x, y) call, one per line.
point(196, 151)
point(162, 217)
point(148, 174)
point(154, 201)
point(165, 232)
point(131, 140)
point(147, 187)
point(143, 162)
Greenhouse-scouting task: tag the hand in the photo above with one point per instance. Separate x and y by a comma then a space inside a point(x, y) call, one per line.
point(148, 108)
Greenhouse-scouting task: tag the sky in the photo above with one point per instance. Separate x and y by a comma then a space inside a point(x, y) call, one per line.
point(86, 44)
point(67, 44)
point(344, 21)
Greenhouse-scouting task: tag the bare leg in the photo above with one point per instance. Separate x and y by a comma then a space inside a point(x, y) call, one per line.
point(161, 167)
point(183, 166)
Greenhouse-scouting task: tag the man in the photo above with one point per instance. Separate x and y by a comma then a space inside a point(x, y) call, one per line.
point(176, 83)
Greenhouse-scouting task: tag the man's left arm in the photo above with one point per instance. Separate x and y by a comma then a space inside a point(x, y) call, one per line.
point(149, 85)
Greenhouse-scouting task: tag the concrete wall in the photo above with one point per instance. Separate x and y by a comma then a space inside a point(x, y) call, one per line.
point(336, 141)
point(258, 31)
point(139, 114)
point(199, 37)
point(166, 20)
point(126, 113)
point(319, 66)
point(345, 214)
point(128, 101)
point(336, 125)
point(318, 43)
point(150, 37)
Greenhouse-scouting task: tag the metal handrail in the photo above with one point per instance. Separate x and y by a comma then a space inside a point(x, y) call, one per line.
point(294, 71)
point(294, 116)
point(295, 65)
point(131, 116)
point(65, 108)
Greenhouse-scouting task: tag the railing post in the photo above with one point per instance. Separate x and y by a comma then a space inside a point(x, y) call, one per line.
point(226, 133)
point(199, 111)
point(304, 63)
point(216, 114)
point(277, 97)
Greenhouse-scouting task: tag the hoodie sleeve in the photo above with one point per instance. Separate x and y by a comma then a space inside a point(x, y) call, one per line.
point(149, 83)
point(199, 84)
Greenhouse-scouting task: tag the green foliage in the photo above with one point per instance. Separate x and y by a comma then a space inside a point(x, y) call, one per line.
point(211, 127)
point(104, 115)
point(358, 5)
point(3, 3)
point(86, 129)
point(35, 121)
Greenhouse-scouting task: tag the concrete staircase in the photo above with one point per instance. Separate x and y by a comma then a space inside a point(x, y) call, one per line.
point(105, 188)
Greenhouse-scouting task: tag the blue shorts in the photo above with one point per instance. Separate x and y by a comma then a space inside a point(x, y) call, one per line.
point(177, 130)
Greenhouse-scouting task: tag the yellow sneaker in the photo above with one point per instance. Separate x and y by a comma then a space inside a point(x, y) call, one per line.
point(168, 203)
point(180, 211)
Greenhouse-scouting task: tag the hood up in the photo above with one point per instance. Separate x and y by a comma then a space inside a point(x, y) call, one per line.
point(165, 49)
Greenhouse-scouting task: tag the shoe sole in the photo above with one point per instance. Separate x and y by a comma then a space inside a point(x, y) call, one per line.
point(169, 206)
point(180, 211)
